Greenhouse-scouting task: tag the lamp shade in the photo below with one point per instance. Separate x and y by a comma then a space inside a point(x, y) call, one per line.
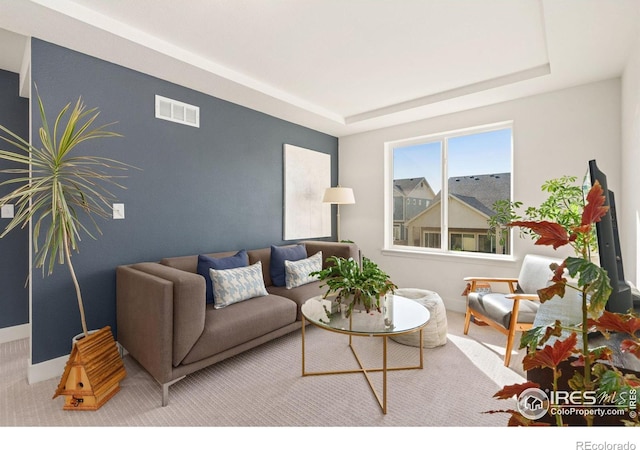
point(339, 196)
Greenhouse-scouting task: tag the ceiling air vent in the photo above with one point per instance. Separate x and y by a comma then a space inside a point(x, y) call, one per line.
point(176, 111)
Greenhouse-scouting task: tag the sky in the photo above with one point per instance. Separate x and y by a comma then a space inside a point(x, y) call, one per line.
point(474, 154)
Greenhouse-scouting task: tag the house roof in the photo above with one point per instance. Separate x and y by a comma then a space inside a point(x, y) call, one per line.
point(408, 185)
point(481, 191)
point(474, 203)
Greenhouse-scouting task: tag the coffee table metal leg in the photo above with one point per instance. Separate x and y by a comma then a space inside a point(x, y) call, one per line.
point(382, 402)
point(421, 347)
point(303, 327)
point(384, 374)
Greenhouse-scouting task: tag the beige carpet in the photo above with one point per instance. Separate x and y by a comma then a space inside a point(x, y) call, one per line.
point(264, 387)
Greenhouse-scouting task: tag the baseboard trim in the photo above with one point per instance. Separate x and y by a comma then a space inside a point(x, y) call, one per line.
point(52, 368)
point(15, 333)
point(46, 370)
point(455, 305)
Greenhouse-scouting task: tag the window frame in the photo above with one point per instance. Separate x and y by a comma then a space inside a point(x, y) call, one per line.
point(389, 248)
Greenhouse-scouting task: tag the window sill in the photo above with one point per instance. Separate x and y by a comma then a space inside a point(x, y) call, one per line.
point(415, 252)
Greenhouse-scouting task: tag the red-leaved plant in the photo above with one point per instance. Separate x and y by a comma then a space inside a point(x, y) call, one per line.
point(598, 374)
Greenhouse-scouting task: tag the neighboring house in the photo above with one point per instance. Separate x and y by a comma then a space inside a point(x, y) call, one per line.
point(411, 196)
point(470, 206)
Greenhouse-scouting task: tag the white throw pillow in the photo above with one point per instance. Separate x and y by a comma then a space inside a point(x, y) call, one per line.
point(297, 272)
point(235, 285)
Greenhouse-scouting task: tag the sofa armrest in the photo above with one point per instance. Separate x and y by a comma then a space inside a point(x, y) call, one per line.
point(144, 310)
point(188, 306)
point(340, 249)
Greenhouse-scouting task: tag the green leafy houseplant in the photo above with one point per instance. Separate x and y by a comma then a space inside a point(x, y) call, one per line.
point(55, 189)
point(563, 206)
point(354, 284)
point(598, 376)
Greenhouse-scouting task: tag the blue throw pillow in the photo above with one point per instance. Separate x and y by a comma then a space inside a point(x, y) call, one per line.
point(240, 259)
point(281, 254)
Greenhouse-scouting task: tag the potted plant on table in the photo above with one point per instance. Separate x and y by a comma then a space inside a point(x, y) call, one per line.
point(594, 377)
point(354, 284)
point(55, 190)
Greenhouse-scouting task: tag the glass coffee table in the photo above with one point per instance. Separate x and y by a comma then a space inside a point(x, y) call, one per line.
point(399, 315)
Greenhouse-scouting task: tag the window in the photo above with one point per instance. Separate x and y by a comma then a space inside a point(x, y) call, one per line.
point(470, 170)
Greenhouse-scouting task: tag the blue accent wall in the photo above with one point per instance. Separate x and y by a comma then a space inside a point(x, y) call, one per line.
point(214, 188)
point(14, 248)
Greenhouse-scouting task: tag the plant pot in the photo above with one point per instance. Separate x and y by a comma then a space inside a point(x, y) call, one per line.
point(356, 307)
point(92, 373)
point(79, 336)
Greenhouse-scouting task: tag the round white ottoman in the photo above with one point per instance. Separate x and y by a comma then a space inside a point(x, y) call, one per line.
point(435, 333)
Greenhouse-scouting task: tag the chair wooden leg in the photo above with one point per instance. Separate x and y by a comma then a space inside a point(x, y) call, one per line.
point(512, 331)
point(467, 320)
point(510, 338)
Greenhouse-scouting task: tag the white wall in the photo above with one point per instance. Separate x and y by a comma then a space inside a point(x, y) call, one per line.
point(554, 134)
point(628, 209)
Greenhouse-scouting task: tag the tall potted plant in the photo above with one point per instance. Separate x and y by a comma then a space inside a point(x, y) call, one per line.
point(595, 378)
point(56, 190)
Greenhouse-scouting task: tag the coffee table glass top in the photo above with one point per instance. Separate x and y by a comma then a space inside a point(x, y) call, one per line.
point(399, 315)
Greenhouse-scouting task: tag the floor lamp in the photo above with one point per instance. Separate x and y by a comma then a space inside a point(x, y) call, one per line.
point(338, 196)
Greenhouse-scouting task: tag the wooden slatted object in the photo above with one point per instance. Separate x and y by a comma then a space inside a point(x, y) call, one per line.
point(93, 372)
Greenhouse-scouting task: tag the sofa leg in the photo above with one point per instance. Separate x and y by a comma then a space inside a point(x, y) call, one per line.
point(165, 390)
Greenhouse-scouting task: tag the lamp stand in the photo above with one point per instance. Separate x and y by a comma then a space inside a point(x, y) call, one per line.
point(338, 196)
point(338, 222)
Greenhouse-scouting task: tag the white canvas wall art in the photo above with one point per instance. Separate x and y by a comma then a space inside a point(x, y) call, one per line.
point(307, 173)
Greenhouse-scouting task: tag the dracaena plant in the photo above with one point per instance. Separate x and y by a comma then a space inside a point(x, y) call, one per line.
point(594, 371)
point(355, 284)
point(56, 189)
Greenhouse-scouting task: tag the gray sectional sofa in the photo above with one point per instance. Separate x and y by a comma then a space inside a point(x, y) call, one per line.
point(174, 320)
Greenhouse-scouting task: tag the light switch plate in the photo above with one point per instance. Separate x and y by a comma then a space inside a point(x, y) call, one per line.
point(118, 210)
point(7, 212)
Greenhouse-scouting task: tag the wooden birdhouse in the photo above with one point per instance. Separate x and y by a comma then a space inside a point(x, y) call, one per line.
point(93, 372)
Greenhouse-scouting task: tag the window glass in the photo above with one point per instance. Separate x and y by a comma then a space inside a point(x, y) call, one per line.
point(477, 170)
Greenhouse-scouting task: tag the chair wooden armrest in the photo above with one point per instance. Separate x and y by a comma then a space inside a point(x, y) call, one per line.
point(533, 297)
point(472, 281)
point(490, 279)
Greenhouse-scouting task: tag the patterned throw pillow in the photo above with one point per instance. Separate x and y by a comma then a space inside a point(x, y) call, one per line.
point(297, 272)
point(235, 285)
point(240, 259)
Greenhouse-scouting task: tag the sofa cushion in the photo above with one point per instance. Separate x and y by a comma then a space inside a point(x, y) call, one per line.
point(264, 256)
point(205, 263)
point(281, 254)
point(297, 273)
point(300, 294)
point(236, 285)
point(240, 323)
